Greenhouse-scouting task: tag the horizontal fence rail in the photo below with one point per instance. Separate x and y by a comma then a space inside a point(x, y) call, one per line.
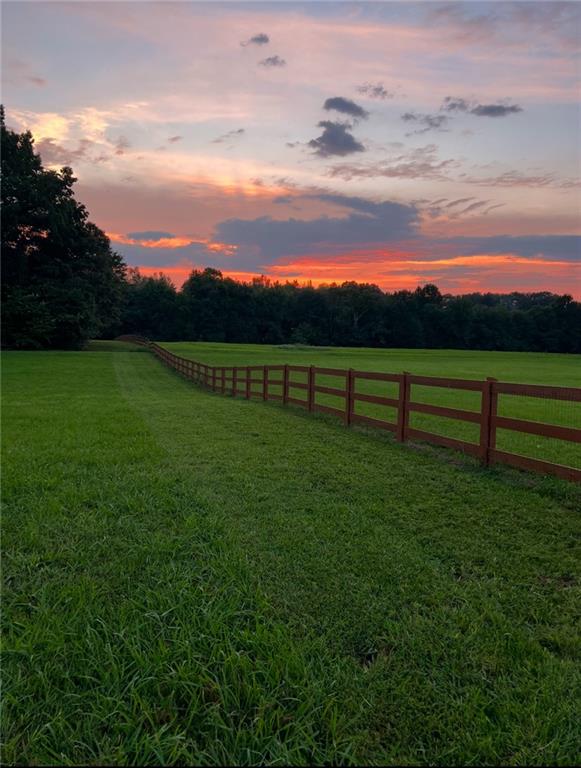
point(259, 381)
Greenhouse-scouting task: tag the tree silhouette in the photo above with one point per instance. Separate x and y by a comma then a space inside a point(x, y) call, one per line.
point(61, 282)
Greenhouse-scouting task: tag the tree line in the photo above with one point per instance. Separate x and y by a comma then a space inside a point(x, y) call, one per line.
point(212, 307)
point(62, 284)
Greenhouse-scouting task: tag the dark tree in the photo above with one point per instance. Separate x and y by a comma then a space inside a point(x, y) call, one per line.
point(61, 282)
point(151, 307)
point(212, 307)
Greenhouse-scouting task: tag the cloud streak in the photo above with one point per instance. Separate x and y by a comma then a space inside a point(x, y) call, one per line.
point(229, 136)
point(420, 163)
point(510, 179)
point(454, 104)
point(427, 122)
point(375, 91)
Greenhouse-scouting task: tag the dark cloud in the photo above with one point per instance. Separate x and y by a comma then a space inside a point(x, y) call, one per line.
point(283, 199)
point(122, 145)
point(20, 72)
point(346, 106)
point(335, 140)
point(260, 39)
point(419, 163)
point(453, 104)
point(55, 154)
point(551, 247)
point(375, 91)
point(236, 134)
point(427, 122)
point(148, 235)
point(265, 240)
point(495, 110)
point(367, 222)
point(272, 62)
point(174, 139)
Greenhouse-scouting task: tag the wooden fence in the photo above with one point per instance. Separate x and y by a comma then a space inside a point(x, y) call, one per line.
point(254, 381)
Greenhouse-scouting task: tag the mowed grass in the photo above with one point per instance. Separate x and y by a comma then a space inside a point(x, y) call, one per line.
point(520, 367)
point(190, 578)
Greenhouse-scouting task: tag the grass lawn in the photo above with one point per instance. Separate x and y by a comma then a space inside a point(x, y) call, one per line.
point(190, 578)
point(520, 367)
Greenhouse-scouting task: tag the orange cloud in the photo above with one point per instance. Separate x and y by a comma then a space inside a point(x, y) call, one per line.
point(174, 242)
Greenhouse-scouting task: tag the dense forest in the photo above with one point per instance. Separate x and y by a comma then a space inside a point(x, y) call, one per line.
point(211, 307)
point(63, 284)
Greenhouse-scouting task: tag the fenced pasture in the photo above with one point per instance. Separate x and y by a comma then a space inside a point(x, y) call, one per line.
point(529, 426)
point(196, 580)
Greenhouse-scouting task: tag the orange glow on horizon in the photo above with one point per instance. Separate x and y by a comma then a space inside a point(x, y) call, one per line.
point(500, 273)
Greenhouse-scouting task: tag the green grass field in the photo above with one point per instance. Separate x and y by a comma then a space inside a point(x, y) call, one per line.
point(190, 578)
point(520, 367)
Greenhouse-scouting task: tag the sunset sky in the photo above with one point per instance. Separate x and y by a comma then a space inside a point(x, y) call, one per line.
point(395, 143)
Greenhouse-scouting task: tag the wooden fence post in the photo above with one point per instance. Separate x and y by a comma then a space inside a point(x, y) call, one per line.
point(234, 381)
point(402, 409)
point(311, 390)
point(349, 397)
point(265, 382)
point(489, 406)
point(248, 382)
point(285, 385)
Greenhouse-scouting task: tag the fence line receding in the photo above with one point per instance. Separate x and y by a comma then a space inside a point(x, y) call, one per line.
point(258, 381)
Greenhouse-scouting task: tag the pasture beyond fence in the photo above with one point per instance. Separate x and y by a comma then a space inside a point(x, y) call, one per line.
point(255, 381)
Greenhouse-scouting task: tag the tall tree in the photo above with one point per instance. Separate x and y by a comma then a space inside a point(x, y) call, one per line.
point(61, 282)
point(151, 307)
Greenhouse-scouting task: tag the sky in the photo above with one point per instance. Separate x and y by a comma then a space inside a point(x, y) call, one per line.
point(394, 143)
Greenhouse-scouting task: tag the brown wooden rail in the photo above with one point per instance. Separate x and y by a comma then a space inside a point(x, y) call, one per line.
point(255, 381)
